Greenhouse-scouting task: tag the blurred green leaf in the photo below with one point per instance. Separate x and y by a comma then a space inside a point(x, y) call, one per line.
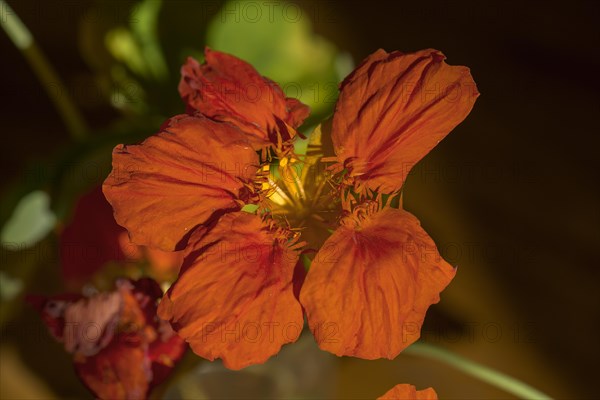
point(126, 94)
point(145, 30)
point(137, 46)
point(30, 221)
point(122, 46)
point(10, 287)
point(23, 266)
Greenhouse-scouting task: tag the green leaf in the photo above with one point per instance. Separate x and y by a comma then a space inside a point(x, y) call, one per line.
point(144, 27)
point(306, 261)
point(30, 221)
point(138, 46)
point(123, 48)
point(250, 208)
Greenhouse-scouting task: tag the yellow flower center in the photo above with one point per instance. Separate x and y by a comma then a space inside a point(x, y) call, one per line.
point(299, 195)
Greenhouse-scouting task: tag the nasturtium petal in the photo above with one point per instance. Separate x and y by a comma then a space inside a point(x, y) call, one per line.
point(395, 108)
point(163, 188)
point(370, 285)
point(297, 112)
point(225, 88)
point(405, 391)
point(234, 298)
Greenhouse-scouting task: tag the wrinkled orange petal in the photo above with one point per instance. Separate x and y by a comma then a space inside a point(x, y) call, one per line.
point(164, 187)
point(393, 109)
point(369, 287)
point(409, 392)
point(297, 112)
point(226, 88)
point(234, 297)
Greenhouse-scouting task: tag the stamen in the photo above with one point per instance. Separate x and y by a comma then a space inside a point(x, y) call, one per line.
point(278, 196)
point(297, 181)
point(360, 214)
point(285, 233)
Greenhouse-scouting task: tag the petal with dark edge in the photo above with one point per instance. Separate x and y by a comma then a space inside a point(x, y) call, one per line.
point(393, 109)
point(234, 298)
point(409, 392)
point(175, 180)
point(369, 286)
point(226, 88)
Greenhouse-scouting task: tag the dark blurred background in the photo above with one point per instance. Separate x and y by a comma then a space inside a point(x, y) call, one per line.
point(511, 196)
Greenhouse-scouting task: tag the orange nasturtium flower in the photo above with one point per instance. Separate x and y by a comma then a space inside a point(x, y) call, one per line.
point(224, 185)
point(404, 391)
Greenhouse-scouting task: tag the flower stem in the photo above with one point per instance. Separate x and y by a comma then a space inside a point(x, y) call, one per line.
point(485, 374)
point(23, 40)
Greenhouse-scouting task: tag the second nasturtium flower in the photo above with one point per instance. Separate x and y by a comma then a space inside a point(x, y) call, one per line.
point(224, 185)
point(120, 349)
